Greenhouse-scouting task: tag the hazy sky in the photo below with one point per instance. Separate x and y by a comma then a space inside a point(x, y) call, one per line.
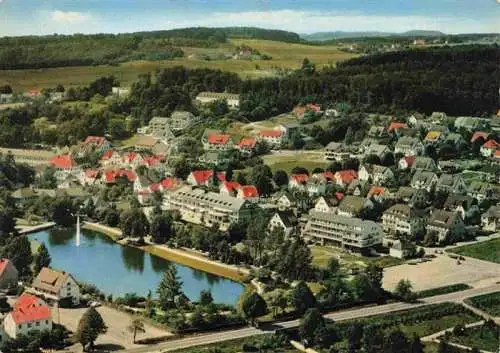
point(302, 16)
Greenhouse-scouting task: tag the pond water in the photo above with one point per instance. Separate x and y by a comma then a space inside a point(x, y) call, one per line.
point(117, 269)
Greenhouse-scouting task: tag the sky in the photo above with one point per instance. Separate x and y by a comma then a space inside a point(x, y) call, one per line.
point(39, 17)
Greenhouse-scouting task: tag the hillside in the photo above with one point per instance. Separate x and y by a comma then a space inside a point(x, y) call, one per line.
point(324, 36)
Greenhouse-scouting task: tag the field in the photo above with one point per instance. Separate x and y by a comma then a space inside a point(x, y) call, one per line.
point(287, 160)
point(284, 55)
point(488, 250)
point(489, 303)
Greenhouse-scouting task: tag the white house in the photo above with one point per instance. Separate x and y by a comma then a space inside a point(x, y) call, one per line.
point(490, 220)
point(409, 146)
point(489, 148)
point(29, 313)
point(233, 100)
point(273, 138)
point(378, 174)
point(424, 180)
point(286, 220)
point(57, 285)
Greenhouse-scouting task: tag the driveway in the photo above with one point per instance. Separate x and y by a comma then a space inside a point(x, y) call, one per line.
point(117, 337)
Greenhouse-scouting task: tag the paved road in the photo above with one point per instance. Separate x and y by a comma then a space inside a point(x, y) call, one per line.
point(215, 337)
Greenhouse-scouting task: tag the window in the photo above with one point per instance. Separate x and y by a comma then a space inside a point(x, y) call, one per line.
point(30, 324)
point(38, 323)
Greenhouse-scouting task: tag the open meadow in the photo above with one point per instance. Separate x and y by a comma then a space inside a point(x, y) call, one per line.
point(284, 55)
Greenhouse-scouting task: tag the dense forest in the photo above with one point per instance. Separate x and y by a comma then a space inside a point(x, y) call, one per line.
point(32, 52)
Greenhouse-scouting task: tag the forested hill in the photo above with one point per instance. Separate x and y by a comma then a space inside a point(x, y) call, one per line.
point(82, 50)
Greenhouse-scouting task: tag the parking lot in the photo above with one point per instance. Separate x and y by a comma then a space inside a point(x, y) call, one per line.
point(443, 271)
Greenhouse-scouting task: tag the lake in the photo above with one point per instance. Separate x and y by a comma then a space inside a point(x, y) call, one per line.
point(116, 269)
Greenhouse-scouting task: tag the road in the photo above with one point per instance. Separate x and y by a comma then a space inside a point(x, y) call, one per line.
point(214, 337)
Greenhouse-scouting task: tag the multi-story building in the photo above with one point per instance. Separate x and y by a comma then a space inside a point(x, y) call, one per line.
point(57, 286)
point(28, 314)
point(444, 224)
point(335, 151)
point(451, 183)
point(207, 208)
point(218, 142)
point(346, 232)
point(424, 180)
point(409, 146)
point(233, 100)
point(401, 218)
point(378, 174)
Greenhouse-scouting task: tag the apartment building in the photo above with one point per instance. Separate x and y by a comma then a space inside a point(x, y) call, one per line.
point(401, 218)
point(349, 233)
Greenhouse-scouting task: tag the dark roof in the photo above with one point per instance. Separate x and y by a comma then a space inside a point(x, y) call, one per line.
point(455, 200)
point(288, 218)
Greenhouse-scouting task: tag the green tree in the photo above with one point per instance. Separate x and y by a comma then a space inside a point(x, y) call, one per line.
point(261, 177)
point(253, 306)
point(302, 298)
point(136, 326)
point(91, 325)
point(62, 212)
point(134, 223)
point(169, 288)
point(19, 252)
point(256, 237)
point(310, 324)
point(280, 178)
point(373, 339)
point(396, 342)
point(416, 345)
point(161, 227)
point(42, 258)
point(206, 297)
point(404, 292)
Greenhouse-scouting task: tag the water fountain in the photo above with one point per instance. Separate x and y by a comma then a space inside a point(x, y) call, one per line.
point(78, 230)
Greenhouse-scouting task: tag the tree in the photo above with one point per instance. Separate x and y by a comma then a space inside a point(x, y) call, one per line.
point(256, 236)
point(241, 179)
point(302, 298)
point(404, 292)
point(416, 345)
point(280, 178)
point(354, 337)
point(372, 159)
point(349, 136)
point(19, 252)
point(169, 288)
point(373, 339)
point(206, 297)
point(229, 172)
point(261, 177)
point(253, 306)
point(310, 324)
point(91, 325)
point(375, 274)
point(134, 223)
point(63, 212)
point(308, 67)
point(42, 258)
point(161, 228)
point(396, 342)
point(299, 170)
point(387, 159)
point(136, 326)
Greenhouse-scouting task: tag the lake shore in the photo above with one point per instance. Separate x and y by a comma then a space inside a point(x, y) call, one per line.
point(182, 256)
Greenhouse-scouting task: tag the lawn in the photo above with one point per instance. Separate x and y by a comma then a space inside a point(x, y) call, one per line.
point(483, 337)
point(284, 55)
point(287, 161)
point(488, 250)
point(489, 303)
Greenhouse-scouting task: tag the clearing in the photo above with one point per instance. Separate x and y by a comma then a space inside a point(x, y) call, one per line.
point(287, 160)
point(488, 250)
point(284, 55)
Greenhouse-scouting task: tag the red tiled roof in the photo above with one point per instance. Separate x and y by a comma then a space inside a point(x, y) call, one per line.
point(218, 139)
point(107, 155)
point(497, 154)
point(491, 144)
point(328, 176)
point(339, 195)
point(202, 176)
point(3, 265)
point(111, 175)
point(151, 161)
point(376, 190)
point(409, 160)
point(301, 109)
point(154, 187)
point(396, 125)
point(62, 162)
point(347, 176)
point(247, 142)
point(168, 183)
point(300, 178)
point(249, 191)
point(479, 134)
point(231, 185)
point(270, 133)
point(30, 308)
point(95, 140)
point(129, 157)
point(91, 173)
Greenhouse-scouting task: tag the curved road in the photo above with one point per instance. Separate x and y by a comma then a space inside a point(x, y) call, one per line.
point(214, 337)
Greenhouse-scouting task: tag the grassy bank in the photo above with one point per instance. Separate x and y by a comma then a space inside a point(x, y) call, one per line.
point(488, 250)
point(443, 290)
point(196, 261)
point(113, 233)
point(489, 303)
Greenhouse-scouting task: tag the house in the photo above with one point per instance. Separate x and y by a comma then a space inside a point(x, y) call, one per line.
point(316, 185)
point(289, 130)
point(326, 204)
point(273, 138)
point(285, 220)
point(455, 140)
point(395, 126)
point(446, 224)
point(109, 176)
point(247, 145)
point(169, 184)
point(405, 193)
point(218, 142)
point(471, 123)
point(6, 98)
point(490, 220)
point(376, 131)
point(401, 218)
point(120, 92)
point(335, 151)
point(298, 181)
point(159, 127)
point(8, 274)
point(90, 177)
point(208, 208)
point(489, 148)
point(286, 201)
point(64, 165)
point(415, 119)
point(56, 285)
point(248, 192)
point(97, 144)
point(378, 193)
point(348, 233)
point(466, 206)
point(409, 146)
point(233, 100)
point(28, 314)
point(401, 250)
point(110, 158)
point(180, 120)
point(479, 135)
point(204, 177)
point(376, 149)
point(424, 163)
point(451, 183)
point(377, 174)
point(229, 188)
point(214, 158)
point(142, 184)
point(433, 137)
point(345, 177)
point(480, 190)
point(424, 180)
point(351, 206)
point(300, 110)
point(406, 162)
point(131, 160)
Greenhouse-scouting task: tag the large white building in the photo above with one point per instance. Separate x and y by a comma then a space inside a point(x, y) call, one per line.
point(346, 232)
point(207, 208)
point(233, 100)
point(28, 314)
point(401, 218)
point(57, 286)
